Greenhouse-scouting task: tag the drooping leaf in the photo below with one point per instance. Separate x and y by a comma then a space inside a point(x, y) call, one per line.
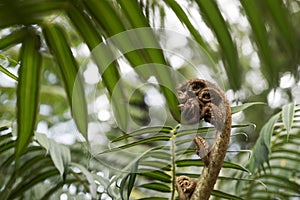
point(13, 38)
point(138, 45)
point(138, 108)
point(44, 141)
point(84, 26)
point(60, 154)
point(59, 47)
point(150, 47)
point(89, 177)
point(281, 16)
point(184, 18)
point(261, 38)
point(27, 12)
point(61, 157)
point(262, 149)
point(38, 10)
point(287, 115)
point(110, 20)
point(104, 59)
point(27, 90)
point(134, 13)
point(102, 54)
point(213, 17)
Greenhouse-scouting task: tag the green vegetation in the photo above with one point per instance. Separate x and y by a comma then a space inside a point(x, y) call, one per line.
point(88, 108)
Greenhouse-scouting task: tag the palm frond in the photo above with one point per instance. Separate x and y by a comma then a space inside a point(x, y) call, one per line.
point(28, 89)
point(171, 156)
point(50, 161)
point(275, 160)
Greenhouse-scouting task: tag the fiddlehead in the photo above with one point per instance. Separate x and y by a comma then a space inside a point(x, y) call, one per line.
point(185, 187)
point(200, 99)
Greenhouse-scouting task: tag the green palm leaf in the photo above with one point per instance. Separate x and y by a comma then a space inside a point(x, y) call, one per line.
point(59, 47)
point(261, 37)
point(184, 18)
point(279, 160)
point(214, 19)
point(28, 88)
point(13, 38)
point(162, 163)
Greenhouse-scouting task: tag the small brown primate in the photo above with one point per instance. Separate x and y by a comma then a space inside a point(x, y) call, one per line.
point(200, 99)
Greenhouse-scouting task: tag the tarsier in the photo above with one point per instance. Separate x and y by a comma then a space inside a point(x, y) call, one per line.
point(200, 99)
